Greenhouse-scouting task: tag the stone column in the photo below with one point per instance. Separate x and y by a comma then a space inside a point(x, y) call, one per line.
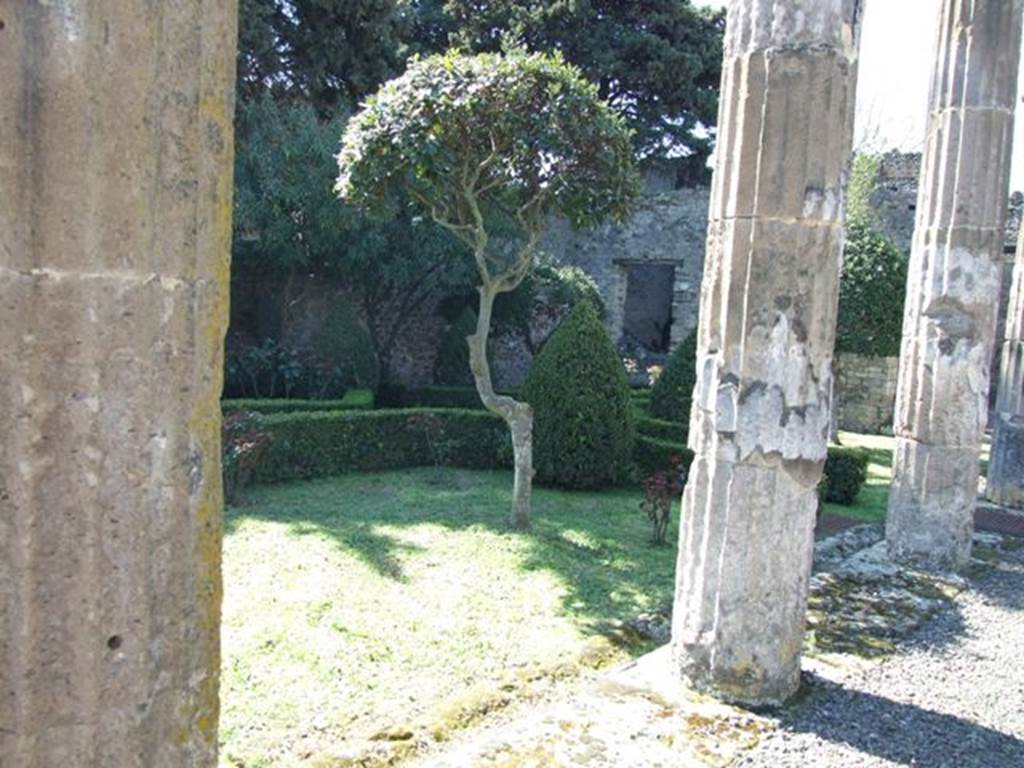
point(1006, 467)
point(115, 226)
point(762, 404)
point(953, 284)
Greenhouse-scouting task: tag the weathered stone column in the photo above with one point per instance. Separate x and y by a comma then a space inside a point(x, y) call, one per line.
point(1006, 467)
point(115, 213)
point(760, 421)
point(953, 285)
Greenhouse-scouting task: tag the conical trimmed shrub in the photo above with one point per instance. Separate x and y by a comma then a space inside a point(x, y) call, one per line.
point(673, 392)
point(583, 429)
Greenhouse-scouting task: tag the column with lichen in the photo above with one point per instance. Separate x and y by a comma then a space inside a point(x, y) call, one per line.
point(763, 401)
point(115, 226)
point(954, 283)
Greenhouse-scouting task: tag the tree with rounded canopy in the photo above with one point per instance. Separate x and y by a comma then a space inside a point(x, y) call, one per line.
point(490, 146)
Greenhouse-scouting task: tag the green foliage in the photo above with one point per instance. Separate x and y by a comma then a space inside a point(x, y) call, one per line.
point(429, 397)
point(354, 400)
point(551, 290)
point(288, 220)
point(653, 455)
point(862, 184)
point(871, 294)
point(322, 52)
point(452, 364)
point(658, 62)
point(583, 423)
point(673, 392)
point(672, 431)
point(321, 444)
point(846, 470)
point(346, 345)
point(271, 370)
point(511, 137)
point(285, 215)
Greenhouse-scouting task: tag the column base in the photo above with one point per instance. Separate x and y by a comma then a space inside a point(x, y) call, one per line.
point(931, 505)
point(1006, 467)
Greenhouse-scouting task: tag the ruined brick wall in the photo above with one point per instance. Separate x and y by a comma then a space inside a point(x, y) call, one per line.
point(669, 228)
point(865, 393)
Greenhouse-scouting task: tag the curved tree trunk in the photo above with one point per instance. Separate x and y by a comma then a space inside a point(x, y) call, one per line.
point(518, 416)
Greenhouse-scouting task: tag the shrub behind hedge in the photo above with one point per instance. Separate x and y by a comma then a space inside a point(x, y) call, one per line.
point(673, 391)
point(583, 428)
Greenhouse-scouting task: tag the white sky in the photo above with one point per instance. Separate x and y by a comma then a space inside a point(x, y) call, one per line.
point(896, 58)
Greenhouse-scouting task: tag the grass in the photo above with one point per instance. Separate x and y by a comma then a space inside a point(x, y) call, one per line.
point(359, 604)
point(362, 605)
point(873, 498)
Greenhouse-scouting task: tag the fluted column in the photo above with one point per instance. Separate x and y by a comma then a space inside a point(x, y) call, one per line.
point(762, 404)
point(953, 285)
point(115, 213)
point(1006, 467)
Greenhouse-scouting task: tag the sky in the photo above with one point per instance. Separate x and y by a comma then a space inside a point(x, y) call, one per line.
point(897, 51)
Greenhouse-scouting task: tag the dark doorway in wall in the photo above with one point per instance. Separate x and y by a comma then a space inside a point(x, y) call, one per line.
point(647, 317)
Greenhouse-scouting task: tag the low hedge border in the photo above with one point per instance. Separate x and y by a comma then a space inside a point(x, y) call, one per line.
point(310, 445)
point(659, 429)
point(354, 400)
point(465, 398)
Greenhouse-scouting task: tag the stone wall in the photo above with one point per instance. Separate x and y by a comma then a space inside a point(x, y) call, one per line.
point(865, 393)
point(668, 228)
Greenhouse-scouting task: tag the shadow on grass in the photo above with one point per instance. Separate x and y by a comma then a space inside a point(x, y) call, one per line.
point(598, 543)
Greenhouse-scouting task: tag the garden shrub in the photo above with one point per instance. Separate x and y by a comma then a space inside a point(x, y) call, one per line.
point(354, 400)
point(308, 445)
point(871, 294)
point(345, 343)
point(673, 391)
point(583, 428)
point(275, 370)
point(846, 470)
point(452, 364)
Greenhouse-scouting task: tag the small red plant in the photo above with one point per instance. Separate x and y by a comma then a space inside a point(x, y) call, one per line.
point(661, 490)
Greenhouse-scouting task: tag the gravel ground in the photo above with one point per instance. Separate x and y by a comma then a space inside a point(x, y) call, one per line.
point(953, 697)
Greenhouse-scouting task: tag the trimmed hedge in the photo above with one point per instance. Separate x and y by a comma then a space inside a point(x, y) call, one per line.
point(652, 455)
point(354, 400)
point(309, 445)
point(846, 470)
point(672, 431)
point(465, 398)
point(583, 429)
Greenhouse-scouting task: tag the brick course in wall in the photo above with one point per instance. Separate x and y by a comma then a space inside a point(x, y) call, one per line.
point(865, 393)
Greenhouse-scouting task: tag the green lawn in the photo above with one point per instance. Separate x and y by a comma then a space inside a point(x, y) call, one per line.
point(874, 496)
point(366, 602)
point(370, 602)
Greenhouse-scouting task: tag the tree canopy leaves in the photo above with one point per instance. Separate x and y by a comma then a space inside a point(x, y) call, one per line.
point(488, 141)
